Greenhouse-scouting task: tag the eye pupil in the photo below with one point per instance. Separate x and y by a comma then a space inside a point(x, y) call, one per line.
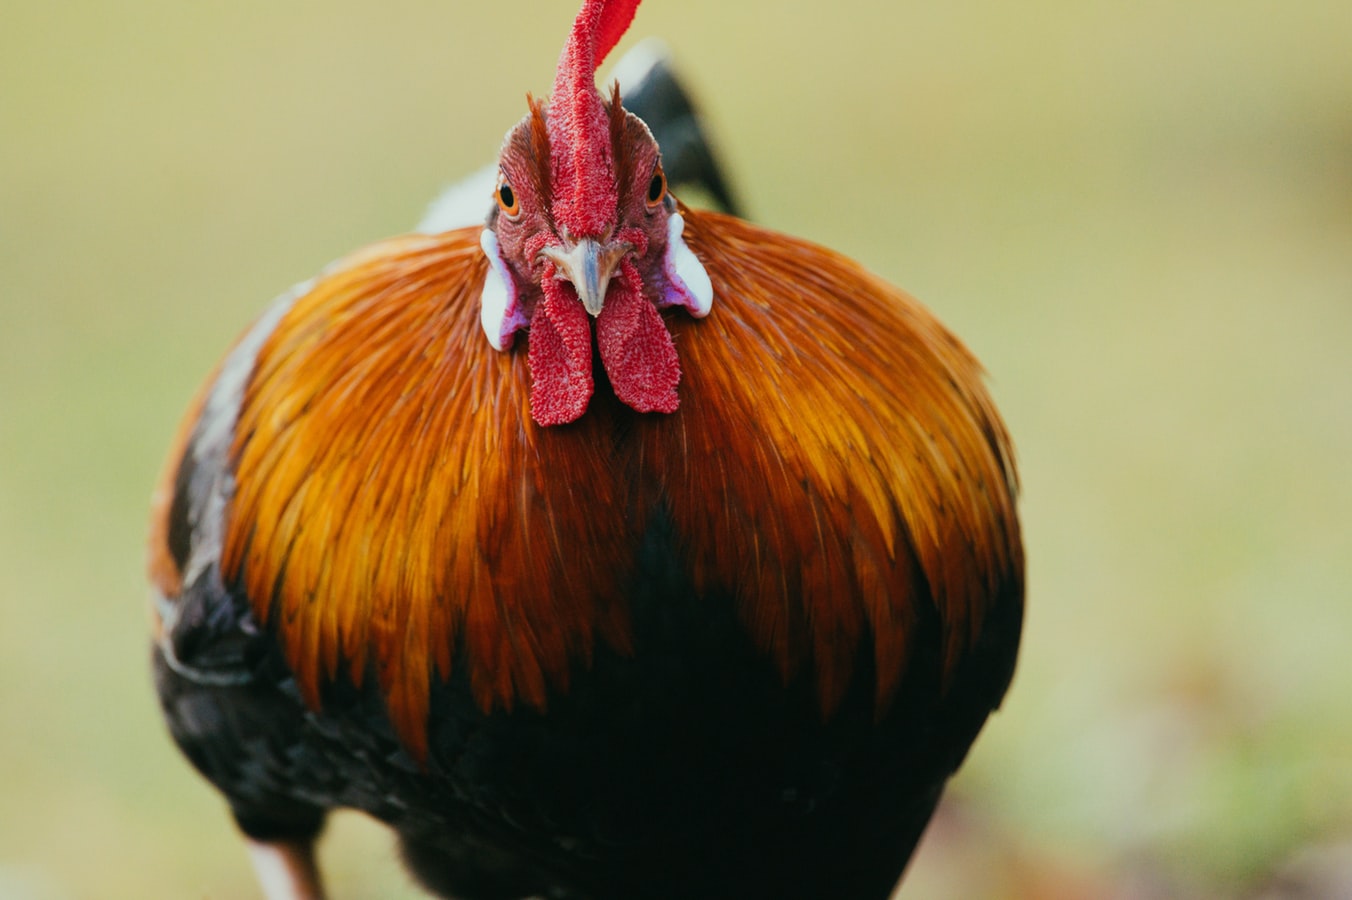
point(506, 197)
point(657, 187)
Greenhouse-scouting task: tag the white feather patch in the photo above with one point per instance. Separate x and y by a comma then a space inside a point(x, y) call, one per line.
point(498, 311)
point(635, 65)
point(467, 202)
point(686, 273)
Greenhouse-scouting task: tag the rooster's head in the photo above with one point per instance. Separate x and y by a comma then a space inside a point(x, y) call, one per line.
point(585, 229)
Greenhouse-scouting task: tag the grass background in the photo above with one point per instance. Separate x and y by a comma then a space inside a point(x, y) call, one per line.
point(1139, 214)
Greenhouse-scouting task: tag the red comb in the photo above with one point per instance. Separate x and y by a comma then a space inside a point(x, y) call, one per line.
point(582, 169)
point(615, 19)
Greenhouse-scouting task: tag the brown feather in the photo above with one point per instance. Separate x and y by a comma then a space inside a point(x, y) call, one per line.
point(835, 463)
point(394, 497)
point(836, 459)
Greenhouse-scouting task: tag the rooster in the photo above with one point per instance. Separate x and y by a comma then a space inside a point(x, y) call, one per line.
point(703, 592)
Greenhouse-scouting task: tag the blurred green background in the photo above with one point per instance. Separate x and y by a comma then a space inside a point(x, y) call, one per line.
point(1139, 214)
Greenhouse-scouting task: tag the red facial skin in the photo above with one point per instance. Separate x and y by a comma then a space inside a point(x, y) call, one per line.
point(636, 348)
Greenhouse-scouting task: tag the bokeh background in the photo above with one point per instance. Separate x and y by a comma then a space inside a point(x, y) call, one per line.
point(1139, 214)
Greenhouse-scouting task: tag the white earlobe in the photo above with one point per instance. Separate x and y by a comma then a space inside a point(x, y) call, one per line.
point(498, 310)
point(690, 283)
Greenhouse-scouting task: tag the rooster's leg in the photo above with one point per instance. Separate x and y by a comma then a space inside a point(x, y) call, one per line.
point(286, 869)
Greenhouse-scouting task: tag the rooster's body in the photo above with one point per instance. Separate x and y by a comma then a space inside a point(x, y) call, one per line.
point(565, 647)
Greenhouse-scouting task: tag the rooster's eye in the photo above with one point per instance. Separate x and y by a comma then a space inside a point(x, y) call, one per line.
point(507, 199)
point(657, 188)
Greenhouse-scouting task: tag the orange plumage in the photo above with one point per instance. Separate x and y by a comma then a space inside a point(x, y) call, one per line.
point(392, 466)
point(377, 410)
point(571, 647)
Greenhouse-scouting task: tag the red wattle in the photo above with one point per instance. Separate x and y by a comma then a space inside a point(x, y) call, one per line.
point(636, 347)
point(560, 355)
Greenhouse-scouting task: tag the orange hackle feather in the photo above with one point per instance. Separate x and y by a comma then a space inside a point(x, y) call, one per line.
point(395, 505)
point(853, 465)
point(836, 465)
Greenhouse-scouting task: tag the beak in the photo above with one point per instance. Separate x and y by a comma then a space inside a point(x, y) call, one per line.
point(588, 264)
